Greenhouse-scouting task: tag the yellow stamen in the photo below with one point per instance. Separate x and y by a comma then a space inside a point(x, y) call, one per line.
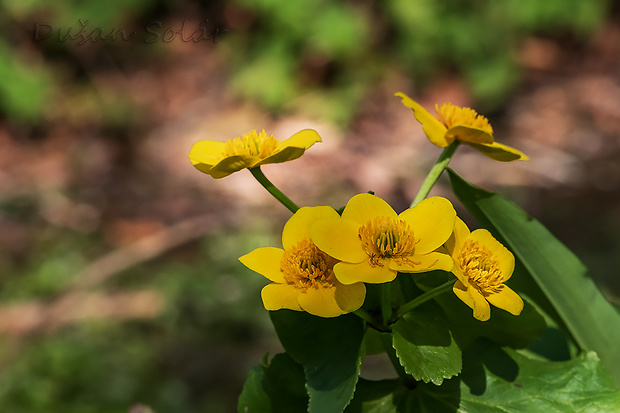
point(451, 115)
point(252, 144)
point(306, 266)
point(384, 237)
point(481, 266)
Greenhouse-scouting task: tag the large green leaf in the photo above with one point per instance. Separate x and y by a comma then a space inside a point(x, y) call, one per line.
point(508, 381)
point(277, 387)
point(328, 349)
point(424, 345)
point(590, 319)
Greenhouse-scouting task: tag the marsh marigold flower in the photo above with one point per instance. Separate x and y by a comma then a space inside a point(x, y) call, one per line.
point(462, 124)
point(373, 243)
point(302, 275)
point(220, 159)
point(482, 265)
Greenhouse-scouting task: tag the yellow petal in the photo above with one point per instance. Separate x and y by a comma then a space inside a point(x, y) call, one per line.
point(278, 296)
point(499, 152)
point(350, 297)
point(298, 226)
point(206, 153)
point(363, 272)
point(422, 263)
point(506, 299)
point(302, 139)
point(364, 207)
point(469, 134)
point(482, 309)
point(432, 222)
point(504, 257)
point(460, 234)
point(460, 290)
point(434, 130)
point(338, 238)
point(320, 301)
point(232, 164)
point(292, 148)
point(265, 261)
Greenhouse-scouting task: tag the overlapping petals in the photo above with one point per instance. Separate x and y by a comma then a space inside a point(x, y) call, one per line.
point(302, 275)
point(373, 243)
point(482, 266)
point(220, 159)
point(462, 124)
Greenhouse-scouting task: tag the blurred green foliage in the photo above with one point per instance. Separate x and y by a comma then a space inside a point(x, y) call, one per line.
point(350, 47)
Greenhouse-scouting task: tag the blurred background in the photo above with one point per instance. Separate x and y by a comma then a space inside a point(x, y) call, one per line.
point(119, 279)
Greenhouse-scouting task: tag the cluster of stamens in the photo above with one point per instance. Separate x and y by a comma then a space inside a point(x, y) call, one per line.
point(306, 266)
point(384, 237)
point(481, 266)
point(252, 144)
point(451, 115)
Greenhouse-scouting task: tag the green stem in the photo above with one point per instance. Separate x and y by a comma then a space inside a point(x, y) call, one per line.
point(435, 172)
point(271, 188)
point(447, 286)
point(365, 315)
point(386, 303)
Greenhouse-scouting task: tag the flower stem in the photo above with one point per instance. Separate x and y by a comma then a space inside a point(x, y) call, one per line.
point(271, 188)
point(386, 303)
point(447, 286)
point(435, 172)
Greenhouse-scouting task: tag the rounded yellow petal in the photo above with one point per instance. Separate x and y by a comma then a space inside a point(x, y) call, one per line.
point(298, 226)
point(506, 299)
point(460, 234)
point(265, 261)
point(363, 272)
point(432, 222)
point(338, 238)
point(364, 207)
point(475, 300)
point(206, 153)
point(350, 297)
point(460, 290)
point(232, 164)
point(504, 257)
point(434, 130)
point(302, 139)
point(292, 148)
point(469, 134)
point(421, 263)
point(500, 152)
point(279, 296)
point(319, 301)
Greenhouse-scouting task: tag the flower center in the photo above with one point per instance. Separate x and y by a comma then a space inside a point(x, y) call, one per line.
point(481, 266)
point(384, 237)
point(306, 266)
point(451, 115)
point(252, 144)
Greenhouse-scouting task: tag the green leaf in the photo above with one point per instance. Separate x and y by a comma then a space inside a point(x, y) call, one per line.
point(278, 387)
point(424, 345)
point(575, 386)
point(506, 381)
point(590, 319)
point(253, 397)
point(328, 349)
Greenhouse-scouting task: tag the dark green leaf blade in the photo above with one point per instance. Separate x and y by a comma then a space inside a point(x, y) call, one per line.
point(328, 349)
point(424, 345)
point(590, 319)
point(579, 385)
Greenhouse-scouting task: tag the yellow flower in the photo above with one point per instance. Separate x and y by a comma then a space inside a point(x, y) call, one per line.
point(220, 159)
point(373, 243)
point(462, 124)
point(302, 275)
point(482, 265)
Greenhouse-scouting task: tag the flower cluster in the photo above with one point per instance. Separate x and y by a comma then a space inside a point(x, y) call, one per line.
point(328, 258)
